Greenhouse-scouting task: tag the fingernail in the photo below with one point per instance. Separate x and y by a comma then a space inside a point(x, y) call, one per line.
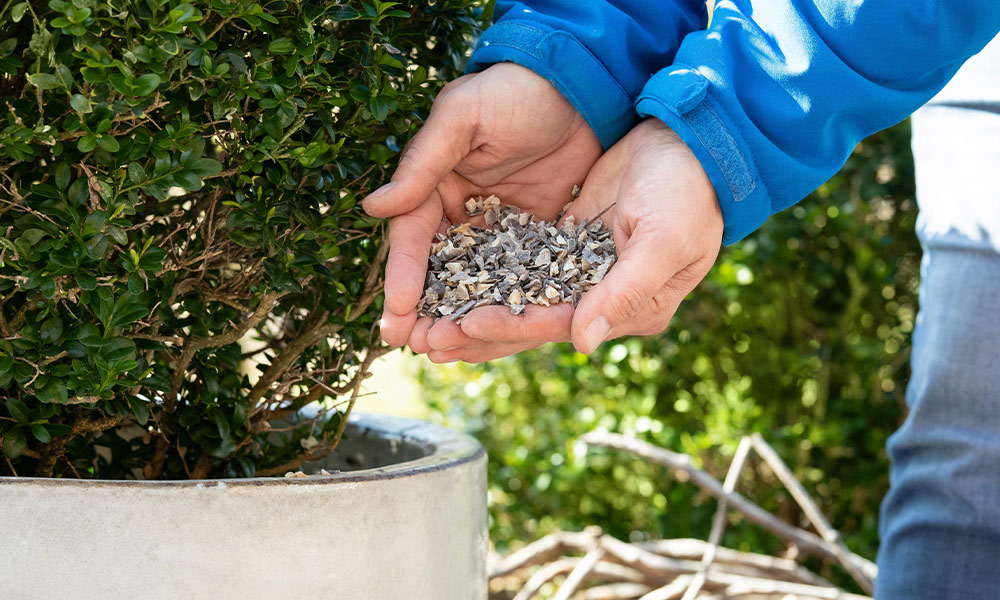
point(596, 332)
point(382, 190)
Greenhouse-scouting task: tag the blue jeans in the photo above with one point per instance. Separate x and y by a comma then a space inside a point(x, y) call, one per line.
point(940, 522)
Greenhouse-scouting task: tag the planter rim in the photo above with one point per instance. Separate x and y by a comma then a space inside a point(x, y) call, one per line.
point(447, 449)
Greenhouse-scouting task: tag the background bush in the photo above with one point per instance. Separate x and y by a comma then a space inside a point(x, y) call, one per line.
point(173, 176)
point(801, 332)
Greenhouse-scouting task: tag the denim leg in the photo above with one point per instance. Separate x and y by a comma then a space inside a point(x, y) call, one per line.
point(940, 522)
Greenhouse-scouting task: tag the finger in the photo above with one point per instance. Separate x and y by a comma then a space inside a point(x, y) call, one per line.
point(410, 238)
point(443, 141)
point(644, 265)
point(479, 354)
point(418, 336)
point(447, 334)
point(395, 329)
point(654, 317)
point(537, 324)
point(656, 314)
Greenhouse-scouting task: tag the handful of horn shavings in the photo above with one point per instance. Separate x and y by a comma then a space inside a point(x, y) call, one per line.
point(513, 261)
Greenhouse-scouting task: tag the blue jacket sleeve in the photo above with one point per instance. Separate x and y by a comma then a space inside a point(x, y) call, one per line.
point(598, 53)
point(773, 97)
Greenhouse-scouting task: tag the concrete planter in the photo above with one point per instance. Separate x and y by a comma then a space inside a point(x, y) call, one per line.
point(411, 525)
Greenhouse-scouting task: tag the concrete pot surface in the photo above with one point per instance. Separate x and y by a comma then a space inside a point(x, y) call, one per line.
point(411, 526)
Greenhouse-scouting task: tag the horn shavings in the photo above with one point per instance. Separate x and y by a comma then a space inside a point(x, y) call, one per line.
point(514, 261)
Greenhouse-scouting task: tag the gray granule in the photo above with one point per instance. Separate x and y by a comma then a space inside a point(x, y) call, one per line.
point(513, 261)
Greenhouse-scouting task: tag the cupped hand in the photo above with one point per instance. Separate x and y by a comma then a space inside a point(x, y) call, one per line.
point(667, 227)
point(505, 131)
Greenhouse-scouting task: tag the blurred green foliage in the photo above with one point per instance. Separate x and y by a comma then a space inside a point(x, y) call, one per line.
point(800, 332)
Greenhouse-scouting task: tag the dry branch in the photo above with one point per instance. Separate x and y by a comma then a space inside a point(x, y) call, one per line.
point(780, 568)
point(863, 571)
point(804, 540)
point(676, 588)
point(689, 569)
point(601, 570)
point(545, 549)
point(719, 521)
point(579, 573)
point(615, 591)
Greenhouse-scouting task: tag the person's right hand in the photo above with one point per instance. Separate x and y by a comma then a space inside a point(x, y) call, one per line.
point(505, 131)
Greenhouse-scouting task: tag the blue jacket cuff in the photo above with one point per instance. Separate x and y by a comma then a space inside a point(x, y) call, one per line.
point(681, 98)
point(569, 65)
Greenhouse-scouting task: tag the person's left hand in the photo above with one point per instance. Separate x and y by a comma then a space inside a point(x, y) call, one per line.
point(667, 227)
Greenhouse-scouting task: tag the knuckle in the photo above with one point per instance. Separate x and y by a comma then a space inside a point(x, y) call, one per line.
point(660, 304)
point(629, 300)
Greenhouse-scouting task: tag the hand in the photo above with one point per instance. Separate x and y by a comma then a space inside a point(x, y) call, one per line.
point(505, 131)
point(667, 227)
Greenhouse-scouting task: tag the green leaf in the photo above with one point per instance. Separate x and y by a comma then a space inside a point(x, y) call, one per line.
point(129, 313)
point(6, 360)
point(77, 15)
point(62, 175)
point(90, 336)
point(105, 304)
point(205, 167)
point(146, 84)
point(118, 348)
point(97, 246)
point(140, 409)
point(86, 281)
point(18, 409)
point(51, 330)
point(64, 75)
point(341, 12)
point(108, 143)
point(13, 443)
point(44, 81)
point(8, 46)
point(222, 424)
point(379, 108)
point(47, 287)
point(41, 434)
point(17, 13)
point(54, 392)
point(87, 143)
point(117, 234)
point(281, 46)
point(136, 173)
point(188, 180)
point(31, 237)
point(152, 259)
point(81, 104)
point(273, 128)
point(120, 83)
point(78, 191)
point(94, 222)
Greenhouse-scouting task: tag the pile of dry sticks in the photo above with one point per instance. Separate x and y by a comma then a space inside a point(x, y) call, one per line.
point(688, 569)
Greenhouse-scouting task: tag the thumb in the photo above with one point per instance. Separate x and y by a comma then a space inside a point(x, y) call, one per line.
point(443, 141)
point(644, 266)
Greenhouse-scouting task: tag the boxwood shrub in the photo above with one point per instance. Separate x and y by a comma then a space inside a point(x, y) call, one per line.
point(183, 261)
